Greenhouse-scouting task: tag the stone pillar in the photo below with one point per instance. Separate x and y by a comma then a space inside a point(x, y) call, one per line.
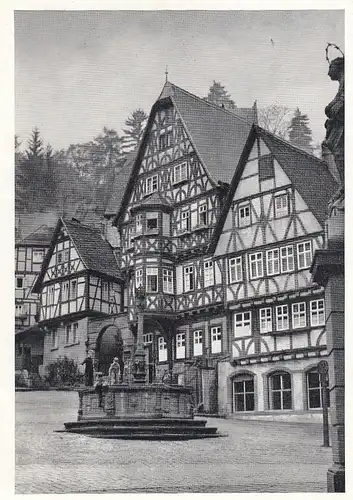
point(328, 271)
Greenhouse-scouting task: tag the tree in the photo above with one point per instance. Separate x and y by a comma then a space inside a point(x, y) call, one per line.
point(218, 95)
point(274, 119)
point(133, 134)
point(299, 131)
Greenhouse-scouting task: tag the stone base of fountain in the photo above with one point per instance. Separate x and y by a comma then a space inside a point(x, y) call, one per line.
point(139, 411)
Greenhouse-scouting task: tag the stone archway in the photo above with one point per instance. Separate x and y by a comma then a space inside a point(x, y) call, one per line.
point(109, 344)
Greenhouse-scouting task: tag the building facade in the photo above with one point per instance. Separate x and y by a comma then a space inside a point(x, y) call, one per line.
point(210, 240)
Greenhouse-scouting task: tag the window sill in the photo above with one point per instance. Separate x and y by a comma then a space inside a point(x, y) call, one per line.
point(71, 345)
point(203, 227)
point(178, 183)
point(54, 349)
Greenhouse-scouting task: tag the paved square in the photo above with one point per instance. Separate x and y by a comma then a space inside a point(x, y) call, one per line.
point(255, 457)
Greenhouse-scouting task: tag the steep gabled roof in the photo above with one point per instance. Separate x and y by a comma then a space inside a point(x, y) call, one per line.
point(309, 175)
point(120, 182)
point(155, 200)
point(95, 252)
point(217, 134)
point(40, 237)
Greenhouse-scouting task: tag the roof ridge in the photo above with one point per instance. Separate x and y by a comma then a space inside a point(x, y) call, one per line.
point(290, 145)
point(204, 100)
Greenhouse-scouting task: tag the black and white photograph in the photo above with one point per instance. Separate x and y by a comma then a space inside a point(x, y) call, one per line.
point(178, 231)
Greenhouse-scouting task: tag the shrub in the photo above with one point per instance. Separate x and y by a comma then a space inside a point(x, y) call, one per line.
point(64, 371)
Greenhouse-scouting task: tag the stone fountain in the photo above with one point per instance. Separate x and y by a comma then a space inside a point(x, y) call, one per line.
point(138, 410)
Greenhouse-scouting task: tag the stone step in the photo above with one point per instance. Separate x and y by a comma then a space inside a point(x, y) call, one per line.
point(136, 422)
point(147, 429)
point(158, 437)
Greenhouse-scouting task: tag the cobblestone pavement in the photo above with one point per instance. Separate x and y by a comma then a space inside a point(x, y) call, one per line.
point(255, 457)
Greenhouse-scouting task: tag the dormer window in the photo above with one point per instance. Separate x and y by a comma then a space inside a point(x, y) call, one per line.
point(244, 215)
point(151, 184)
point(281, 205)
point(180, 172)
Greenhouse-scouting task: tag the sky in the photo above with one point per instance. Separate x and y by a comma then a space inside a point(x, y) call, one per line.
point(78, 71)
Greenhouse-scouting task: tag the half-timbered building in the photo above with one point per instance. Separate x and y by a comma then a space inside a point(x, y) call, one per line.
point(29, 255)
point(79, 280)
point(271, 224)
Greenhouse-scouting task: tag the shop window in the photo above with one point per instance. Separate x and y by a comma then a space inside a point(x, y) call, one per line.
point(243, 393)
point(280, 388)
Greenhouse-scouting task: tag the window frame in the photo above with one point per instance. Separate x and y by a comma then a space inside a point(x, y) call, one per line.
point(168, 281)
point(216, 331)
point(298, 315)
point(185, 220)
point(197, 337)
point(281, 390)
point(151, 229)
point(278, 211)
point(183, 175)
point(65, 288)
point(287, 258)
point(151, 179)
point(35, 253)
point(242, 324)
point(162, 348)
point(202, 213)
point(317, 312)
point(188, 271)
point(139, 278)
point(210, 273)
point(258, 275)
point(180, 345)
point(304, 255)
point(244, 221)
point(273, 261)
point(22, 282)
point(243, 378)
point(282, 318)
point(234, 267)
point(73, 289)
point(138, 224)
point(150, 272)
point(267, 319)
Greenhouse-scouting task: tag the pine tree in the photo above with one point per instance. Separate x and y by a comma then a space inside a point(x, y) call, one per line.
point(133, 134)
point(299, 131)
point(218, 95)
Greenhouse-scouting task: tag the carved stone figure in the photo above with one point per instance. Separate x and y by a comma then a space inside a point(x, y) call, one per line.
point(334, 111)
point(88, 362)
point(114, 372)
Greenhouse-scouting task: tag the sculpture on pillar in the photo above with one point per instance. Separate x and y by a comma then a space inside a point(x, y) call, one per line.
point(114, 372)
point(89, 366)
point(334, 125)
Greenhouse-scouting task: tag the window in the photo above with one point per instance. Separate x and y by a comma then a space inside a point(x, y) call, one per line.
point(105, 291)
point(59, 258)
point(216, 339)
point(188, 278)
point(165, 139)
point(147, 338)
point(198, 343)
point(139, 278)
point(162, 350)
point(287, 259)
point(130, 240)
point(68, 334)
point(66, 255)
point(203, 215)
point(151, 223)
point(152, 279)
point(51, 296)
point(314, 388)
point(266, 320)
point(244, 215)
point(256, 267)
point(243, 393)
point(242, 324)
point(65, 292)
point(235, 270)
point(74, 333)
point(19, 282)
point(62, 256)
point(185, 220)
point(180, 173)
point(37, 256)
point(54, 339)
point(138, 223)
point(304, 255)
point(281, 205)
point(20, 310)
point(299, 315)
point(280, 391)
point(151, 184)
point(168, 281)
point(272, 261)
point(282, 317)
point(180, 345)
point(208, 273)
point(317, 312)
point(73, 292)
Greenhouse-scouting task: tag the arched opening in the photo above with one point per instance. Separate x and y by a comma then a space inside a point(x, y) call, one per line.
point(109, 345)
